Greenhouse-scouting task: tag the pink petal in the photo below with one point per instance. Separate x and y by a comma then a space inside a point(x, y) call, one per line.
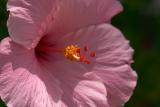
point(74, 14)
point(75, 81)
point(112, 63)
point(29, 20)
point(82, 84)
point(23, 81)
point(113, 66)
point(120, 82)
point(90, 94)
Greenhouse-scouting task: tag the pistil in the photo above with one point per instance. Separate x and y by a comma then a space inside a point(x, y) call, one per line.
point(73, 53)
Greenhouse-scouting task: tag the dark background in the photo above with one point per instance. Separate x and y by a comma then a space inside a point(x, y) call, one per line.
point(140, 23)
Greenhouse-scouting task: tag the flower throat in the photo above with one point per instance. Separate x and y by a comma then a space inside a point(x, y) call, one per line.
point(71, 52)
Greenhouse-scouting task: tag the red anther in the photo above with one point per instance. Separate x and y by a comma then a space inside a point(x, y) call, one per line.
point(93, 54)
point(85, 48)
point(78, 50)
point(83, 58)
point(87, 62)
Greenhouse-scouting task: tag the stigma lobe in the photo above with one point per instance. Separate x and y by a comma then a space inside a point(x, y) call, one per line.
point(73, 53)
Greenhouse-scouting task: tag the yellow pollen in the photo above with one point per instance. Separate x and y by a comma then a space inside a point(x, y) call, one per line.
point(72, 52)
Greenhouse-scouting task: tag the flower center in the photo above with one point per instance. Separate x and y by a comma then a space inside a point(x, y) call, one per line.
point(73, 53)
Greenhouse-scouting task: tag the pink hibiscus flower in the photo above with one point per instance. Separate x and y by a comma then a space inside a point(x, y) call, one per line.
point(62, 54)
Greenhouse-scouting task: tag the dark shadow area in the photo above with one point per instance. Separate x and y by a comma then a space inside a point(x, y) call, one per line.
point(3, 19)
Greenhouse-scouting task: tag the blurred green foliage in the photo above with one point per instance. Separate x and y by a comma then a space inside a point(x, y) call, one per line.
point(3, 19)
point(140, 23)
point(3, 27)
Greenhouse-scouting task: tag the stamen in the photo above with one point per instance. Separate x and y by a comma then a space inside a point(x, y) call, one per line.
point(92, 54)
point(87, 62)
point(78, 50)
point(73, 53)
point(83, 58)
